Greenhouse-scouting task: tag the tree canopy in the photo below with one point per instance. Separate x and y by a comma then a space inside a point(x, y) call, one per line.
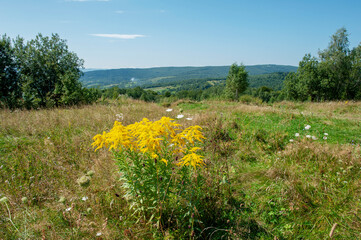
point(41, 72)
point(335, 75)
point(237, 81)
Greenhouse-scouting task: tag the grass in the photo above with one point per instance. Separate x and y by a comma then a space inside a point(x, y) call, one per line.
point(257, 183)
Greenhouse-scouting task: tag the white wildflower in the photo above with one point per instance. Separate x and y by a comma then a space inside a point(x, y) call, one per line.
point(3, 199)
point(119, 116)
point(169, 110)
point(99, 234)
point(324, 138)
point(308, 136)
point(189, 119)
point(297, 134)
point(326, 134)
point(84, 198)
point(307, 127)
point(68, 209)
point(180, 116)
point(314, 138)
point(291, 140)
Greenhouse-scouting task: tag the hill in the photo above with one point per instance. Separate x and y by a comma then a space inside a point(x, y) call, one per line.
point(131, 77)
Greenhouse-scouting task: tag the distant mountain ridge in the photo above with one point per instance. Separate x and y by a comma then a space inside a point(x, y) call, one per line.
point(131, 77)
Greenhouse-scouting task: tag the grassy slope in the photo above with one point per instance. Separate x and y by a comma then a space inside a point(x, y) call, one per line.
point(260, 184)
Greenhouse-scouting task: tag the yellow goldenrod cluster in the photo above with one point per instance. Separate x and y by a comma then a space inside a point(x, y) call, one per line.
point(156, 139)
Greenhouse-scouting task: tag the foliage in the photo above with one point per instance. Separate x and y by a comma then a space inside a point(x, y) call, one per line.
point(334, 76)
point(9, 79)
point(41, 73)
point(168, 76)
point(146, 153)
point(236, 82)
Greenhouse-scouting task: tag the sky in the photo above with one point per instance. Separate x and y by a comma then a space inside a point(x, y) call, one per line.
point(157, 33)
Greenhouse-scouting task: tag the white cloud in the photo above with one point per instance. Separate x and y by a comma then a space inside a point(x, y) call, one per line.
point(118, 36)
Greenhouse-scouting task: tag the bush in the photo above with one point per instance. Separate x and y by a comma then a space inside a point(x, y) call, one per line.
point(247, 99)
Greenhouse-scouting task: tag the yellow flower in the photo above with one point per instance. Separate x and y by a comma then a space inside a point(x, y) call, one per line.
point(152, 138)
point(165, 161)
point(194, 149)
point(192, 159)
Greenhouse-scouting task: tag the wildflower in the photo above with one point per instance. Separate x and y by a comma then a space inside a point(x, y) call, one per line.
point(189, 119)
point(291, 140)
point(192, 159)
point(297, 134)
point(326, 134)
point(307, 127)
point(314, 138)
point(119, 117)
point(308, 136)
point(169, 110)
point(84, 198)
point(164, 160)
point(68, 209)
point(99, 234)
point(180, 116)
point(324, 138)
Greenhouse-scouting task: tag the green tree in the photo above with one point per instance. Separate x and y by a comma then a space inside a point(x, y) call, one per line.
point(336, 67)
point(355, 75)
point(334, 76)
point(9, 81)
point(237, 81)
point(49, 71)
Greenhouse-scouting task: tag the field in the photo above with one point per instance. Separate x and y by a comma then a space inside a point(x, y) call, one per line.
point(282, 171)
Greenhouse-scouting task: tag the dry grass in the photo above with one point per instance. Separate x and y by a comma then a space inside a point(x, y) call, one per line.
point(262, 185)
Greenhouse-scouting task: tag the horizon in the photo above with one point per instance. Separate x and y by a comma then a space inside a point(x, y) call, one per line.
point(113, 34)
point(96, 69)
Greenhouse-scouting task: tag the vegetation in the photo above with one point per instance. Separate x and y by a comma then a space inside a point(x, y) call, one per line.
point(255, 168)
point(40, 73)
point(336, 75)
point(263, 178)
point(168, 76)
point(236, 82)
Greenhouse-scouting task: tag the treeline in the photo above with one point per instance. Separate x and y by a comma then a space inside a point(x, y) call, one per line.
point(40, 73)
point(334, 75)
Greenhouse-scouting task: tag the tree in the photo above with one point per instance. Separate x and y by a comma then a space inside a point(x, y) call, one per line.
point(237, 81)
point(355, 74)
point(49, 71)
point(334, 76)
point(9, 81)
point(336, 67)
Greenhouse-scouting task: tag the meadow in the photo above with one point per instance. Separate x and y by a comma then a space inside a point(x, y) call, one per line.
point(283, 171)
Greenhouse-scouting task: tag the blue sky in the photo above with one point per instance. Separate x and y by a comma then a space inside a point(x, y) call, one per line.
point(149, 33)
